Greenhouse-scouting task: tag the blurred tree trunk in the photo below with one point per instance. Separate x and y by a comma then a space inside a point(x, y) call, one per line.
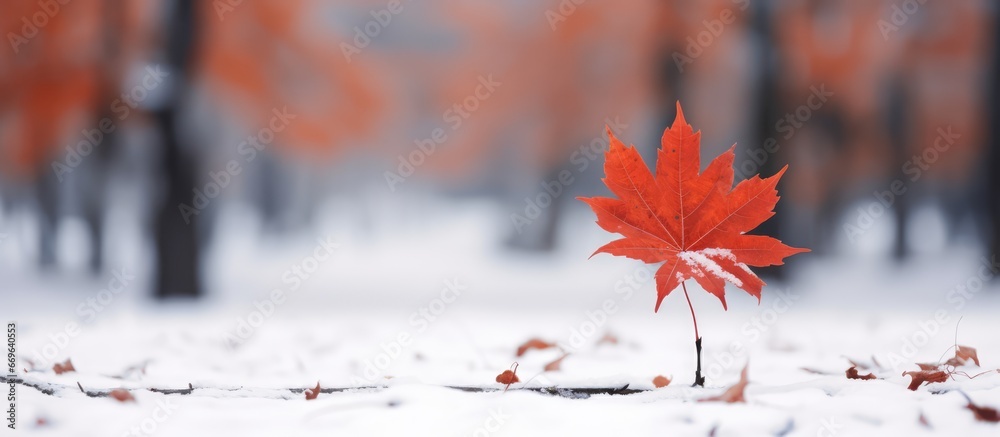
point(47, 193)
point(95, 186)
point(768, 113)
point(993, 159)
point(178, 269)
point(898, 118)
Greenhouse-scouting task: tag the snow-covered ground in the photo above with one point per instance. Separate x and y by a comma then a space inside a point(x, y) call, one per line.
point(414, 313)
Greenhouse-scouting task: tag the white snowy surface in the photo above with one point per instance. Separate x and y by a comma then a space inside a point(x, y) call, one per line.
point(348, 313)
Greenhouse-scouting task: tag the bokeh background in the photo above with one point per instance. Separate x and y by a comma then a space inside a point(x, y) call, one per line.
point(207, 145)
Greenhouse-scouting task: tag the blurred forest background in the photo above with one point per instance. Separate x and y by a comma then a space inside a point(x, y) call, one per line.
point(171, 111)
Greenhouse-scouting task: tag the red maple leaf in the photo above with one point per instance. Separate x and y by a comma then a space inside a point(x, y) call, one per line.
point(693, 222)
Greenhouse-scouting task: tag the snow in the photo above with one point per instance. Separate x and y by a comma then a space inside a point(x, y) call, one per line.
point(384, 300)
point(701, 260)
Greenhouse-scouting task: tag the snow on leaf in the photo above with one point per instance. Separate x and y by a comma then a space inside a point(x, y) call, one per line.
point(694, 223)
point(963, 354)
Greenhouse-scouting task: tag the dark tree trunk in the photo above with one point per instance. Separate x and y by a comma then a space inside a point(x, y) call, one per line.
point(898, 119)
point(178, 269)
point(993, 160)
point(768, 112)
point(47, 195)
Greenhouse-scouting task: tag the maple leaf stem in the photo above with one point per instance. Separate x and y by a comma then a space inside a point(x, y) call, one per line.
point(699, 381)
point(691, 307)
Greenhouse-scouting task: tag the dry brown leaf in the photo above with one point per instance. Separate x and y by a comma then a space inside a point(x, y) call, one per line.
point(962, 355)
point(928, 366)
point(852, 373)
point(608, 338)
point(923, 420)
point(661, 381)
point(984, 414)
point(734, 393)
point(64, 367)
point(928, 376)
point(121, 395)
point(312, 393)
point(534, 343)
point(555, 365)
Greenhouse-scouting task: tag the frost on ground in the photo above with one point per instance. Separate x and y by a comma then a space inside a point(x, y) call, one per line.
point(392, 344)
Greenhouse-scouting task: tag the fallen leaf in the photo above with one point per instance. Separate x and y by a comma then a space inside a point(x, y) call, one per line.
point(852, 373)
point(66, 366)
point(694, 223)
point(661, 381)
point(507, 377)
point(923, 420)
point(734, 393)
point(962, 355)
point(928, 376)
point(608, 338)
point(121, 395)
point(984, 414)
point(928, 366)
point(534, 343)
point(312, 393)
point(555, 365)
